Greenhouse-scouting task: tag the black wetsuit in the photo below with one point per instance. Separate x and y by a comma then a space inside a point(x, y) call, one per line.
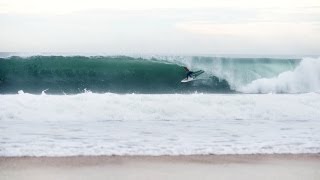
point(189, 73)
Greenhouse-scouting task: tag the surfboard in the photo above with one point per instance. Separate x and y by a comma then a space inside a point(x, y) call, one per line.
point(193, 76)
point(187, 80)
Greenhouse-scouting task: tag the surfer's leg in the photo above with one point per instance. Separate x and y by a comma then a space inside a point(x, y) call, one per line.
point(189, 74)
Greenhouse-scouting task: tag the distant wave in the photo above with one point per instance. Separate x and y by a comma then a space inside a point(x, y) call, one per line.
point(123, 74)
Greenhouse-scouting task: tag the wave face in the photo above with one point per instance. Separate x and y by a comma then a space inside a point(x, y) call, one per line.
point(61, 74)
point(157, 75)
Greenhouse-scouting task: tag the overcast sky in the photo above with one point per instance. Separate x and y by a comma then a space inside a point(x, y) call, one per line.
point(288, 27)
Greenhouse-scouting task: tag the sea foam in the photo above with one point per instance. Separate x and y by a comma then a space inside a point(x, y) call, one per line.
point(133, 124)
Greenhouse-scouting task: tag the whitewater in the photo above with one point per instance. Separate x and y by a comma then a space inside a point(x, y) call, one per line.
point(119, 105)
point(133, 124)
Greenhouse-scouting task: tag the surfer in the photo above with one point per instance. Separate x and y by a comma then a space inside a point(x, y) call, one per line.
point(189, 73)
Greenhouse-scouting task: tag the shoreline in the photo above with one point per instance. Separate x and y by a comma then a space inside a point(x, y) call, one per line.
point(256, 166)
point(210, 158)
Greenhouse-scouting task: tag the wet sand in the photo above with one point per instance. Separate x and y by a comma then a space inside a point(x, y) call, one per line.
point(235, 167)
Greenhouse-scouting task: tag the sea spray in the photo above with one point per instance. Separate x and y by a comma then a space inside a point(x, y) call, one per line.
point(304, 78)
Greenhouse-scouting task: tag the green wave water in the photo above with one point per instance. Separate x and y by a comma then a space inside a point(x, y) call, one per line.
point(121, 74)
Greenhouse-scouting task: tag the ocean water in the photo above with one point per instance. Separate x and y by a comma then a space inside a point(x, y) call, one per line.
point(121, 105)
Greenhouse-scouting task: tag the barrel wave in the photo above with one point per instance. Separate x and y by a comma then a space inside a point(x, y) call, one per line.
point(157, 75)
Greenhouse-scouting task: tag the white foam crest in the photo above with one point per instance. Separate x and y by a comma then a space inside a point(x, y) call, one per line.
point(43, 92)
point(304, 78)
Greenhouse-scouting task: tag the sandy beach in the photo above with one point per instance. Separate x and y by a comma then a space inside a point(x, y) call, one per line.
point(306, 166)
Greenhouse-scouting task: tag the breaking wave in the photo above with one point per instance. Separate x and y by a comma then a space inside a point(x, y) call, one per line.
point(157, 75)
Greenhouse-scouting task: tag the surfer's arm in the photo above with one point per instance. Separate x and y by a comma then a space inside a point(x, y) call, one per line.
point(185, 68)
